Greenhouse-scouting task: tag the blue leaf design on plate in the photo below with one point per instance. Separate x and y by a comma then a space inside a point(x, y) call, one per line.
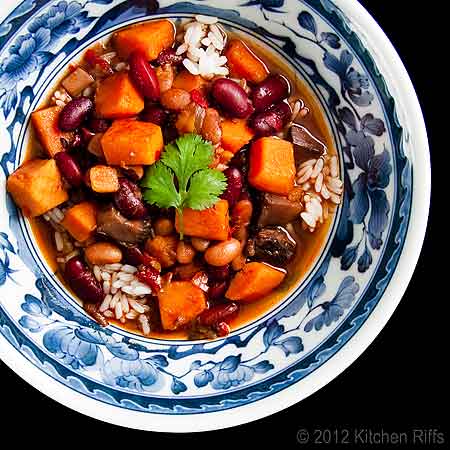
point(331, 39)
point(30, 324)
point(230, 363)
point(122, 351)
point(5, 29)
point(195, 364)
point(263, 366)
point(373, 125)
point(35, 307)
point(363, 99)
point(9, 101)
point(159, 360)
point(365, 260)
point(359, 206)
point(364, 148)
point(348, 117)
point(349, 257)
point(291, 345)
point(203, 378)
point(177, 386)
point(380, 170)
point(306, 21)
point(5, 244)
point(90, 335)
point(334, 64)
point(273, 331)
point(334, 310)
point(379, 217)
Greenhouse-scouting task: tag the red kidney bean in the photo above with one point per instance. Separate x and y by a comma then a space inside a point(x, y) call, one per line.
point(232, 98)
point(168, 56)
point(128, 200)
point(69, 168)
point(217, 290)
point(234, 186)
point(144, 76)
point(272, 90)
point(222, 329)
point(82, 281)
point(271, 121)
point(135, 257)
point(219, 273)
point(75, 113)
point(155, 114)
point(98, 125)
point(219, 313)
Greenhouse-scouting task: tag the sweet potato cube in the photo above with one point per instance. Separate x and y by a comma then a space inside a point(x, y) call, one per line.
point(131, 143)
point(103, 179)
point(151, 38)
point(272, 165)
point(235, 134)
point(36, 187)
point(117, 98)
point(81, 221)
point(180, 302)
point(188, 82)
point(244, 63)
point(254, 281)
point(212, 223)
point(45, 123)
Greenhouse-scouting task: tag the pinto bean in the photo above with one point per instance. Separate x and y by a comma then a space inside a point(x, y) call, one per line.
point(163, 227)
point(223, 253)
point(165, 75)
point(103, 253)
point(200, 244)
point(211, 129)
point(175, 99)
point(185, 253)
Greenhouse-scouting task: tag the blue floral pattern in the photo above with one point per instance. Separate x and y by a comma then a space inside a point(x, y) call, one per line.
point(262, 358)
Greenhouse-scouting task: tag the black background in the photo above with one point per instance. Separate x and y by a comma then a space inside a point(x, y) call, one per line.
point(398, 384)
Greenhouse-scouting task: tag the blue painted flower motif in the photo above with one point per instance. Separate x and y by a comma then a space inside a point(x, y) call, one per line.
point(63, 342)
point(333, 310)
point(352, 82)
point(135, 375)
point(35, 307)
point(29, 52)
point(30, 324)
point(268, 5)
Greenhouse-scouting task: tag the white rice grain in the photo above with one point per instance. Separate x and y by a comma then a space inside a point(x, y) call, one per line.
point(60, 103)
point(106, 287)
point(105, 304)
point(118, 310)
point(108, 314)
point(305, 174)
point(309, 219)
point(115, 266)
point(132, 315)
point(317, 168)
point(183, 48)
point(136, 306)
point(106, 276)
point(310, 162)
point(125, 276)
point(319, 183)
point(129, 269)
point(144, 324)
point(97, 273)
point(72, 255)
point(114, 300)
point(334, 172)
point(207, 20)
point(125, 304)
point(59, 241)
point(191, 66)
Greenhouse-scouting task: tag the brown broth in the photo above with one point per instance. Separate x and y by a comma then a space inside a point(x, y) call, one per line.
point(310, 244)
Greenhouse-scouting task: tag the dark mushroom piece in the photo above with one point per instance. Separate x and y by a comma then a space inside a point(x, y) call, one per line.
point(273, 245)
point(111, 223)
point(278, 210)
point(305, 141)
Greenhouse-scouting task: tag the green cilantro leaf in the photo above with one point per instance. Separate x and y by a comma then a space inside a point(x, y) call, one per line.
point(182, 179)
point(204, 189)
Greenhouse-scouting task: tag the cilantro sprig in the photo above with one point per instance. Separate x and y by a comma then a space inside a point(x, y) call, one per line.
point(182, 179)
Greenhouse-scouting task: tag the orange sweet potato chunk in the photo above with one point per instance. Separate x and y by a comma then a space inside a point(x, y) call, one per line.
point(272, 165)
point(104, 179)
point(45, 123)
point(130, 143)
point(254, 281)
point(151, 38)
point(180, 302)
point(212, 223)
point(37, 186)
point(188, 82)
point(81, 221)
point(244, 63)
point(235, 134)
point(117, 98)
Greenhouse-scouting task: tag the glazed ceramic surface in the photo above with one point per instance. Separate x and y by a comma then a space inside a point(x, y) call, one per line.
point(314, 333)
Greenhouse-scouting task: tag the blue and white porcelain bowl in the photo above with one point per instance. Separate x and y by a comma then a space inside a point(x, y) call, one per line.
point(312, 335)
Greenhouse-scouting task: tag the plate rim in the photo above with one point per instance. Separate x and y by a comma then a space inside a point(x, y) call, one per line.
point(338, 363)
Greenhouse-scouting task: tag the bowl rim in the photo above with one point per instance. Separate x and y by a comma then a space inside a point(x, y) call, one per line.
point(401, 88)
